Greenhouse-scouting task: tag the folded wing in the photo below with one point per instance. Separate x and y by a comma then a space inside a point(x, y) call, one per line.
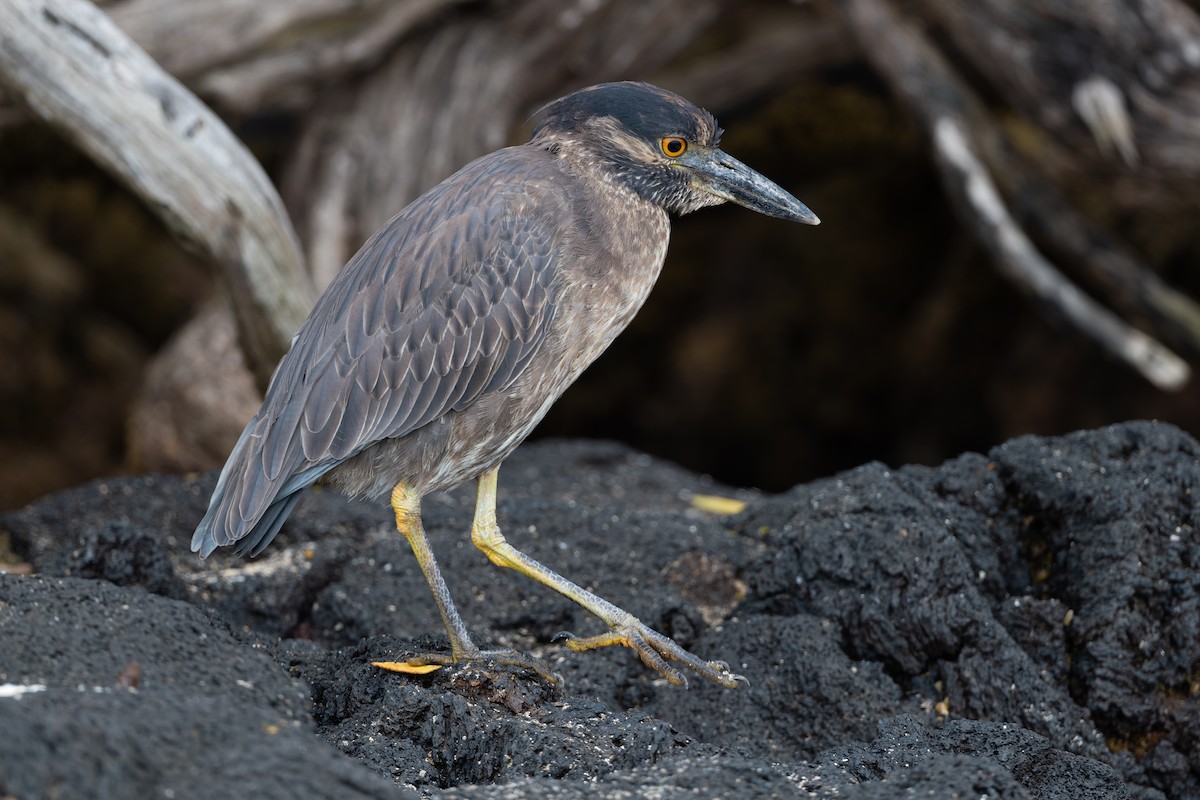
point(447, 303)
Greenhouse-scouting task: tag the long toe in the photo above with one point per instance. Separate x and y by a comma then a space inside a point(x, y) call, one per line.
point(656, 651)
point(515, 658)
point(424, 663)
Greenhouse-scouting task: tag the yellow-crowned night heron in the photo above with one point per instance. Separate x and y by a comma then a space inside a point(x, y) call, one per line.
point(446, 338)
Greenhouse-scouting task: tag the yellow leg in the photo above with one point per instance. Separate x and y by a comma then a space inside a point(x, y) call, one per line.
point(407, 505)
point(654, 649)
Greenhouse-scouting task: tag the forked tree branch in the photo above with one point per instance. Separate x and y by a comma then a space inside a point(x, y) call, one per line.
point(68, 62)
point(953, 120)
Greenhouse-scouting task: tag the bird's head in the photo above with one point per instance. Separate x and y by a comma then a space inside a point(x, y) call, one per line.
point(662, 147)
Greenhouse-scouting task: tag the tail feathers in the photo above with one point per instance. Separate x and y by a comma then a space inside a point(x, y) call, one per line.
point(261, 534)
point(223, 524)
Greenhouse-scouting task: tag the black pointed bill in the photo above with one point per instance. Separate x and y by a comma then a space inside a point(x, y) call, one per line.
point(723, 175)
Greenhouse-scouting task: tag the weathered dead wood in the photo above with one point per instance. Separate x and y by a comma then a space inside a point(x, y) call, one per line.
point(196, 396)
point(437, 101)
point(776, 48)
point(247, 55)
point(956, 123)
point(1117, 274)
point(1114, 87)
point(244, 56)
point(970, 182)
point(79, 73)
point(455, 93)
point(1115, 84)
point(397, 95)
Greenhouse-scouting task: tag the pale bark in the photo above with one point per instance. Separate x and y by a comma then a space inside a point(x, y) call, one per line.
point(978, 161)
point(455, 93)
point(1020, 99)
point(80, 74)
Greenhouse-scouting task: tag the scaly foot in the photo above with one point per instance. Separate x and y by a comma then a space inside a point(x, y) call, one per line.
point(423, 663)
point(655, 650)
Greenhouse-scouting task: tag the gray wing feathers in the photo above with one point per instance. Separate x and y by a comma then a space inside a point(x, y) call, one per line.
point(446, 303)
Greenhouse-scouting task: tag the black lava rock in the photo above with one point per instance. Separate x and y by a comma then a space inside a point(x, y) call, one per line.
point(1020, 624)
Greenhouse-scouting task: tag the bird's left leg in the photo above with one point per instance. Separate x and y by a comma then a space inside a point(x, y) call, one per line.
point(407, 505)
point(654, 649)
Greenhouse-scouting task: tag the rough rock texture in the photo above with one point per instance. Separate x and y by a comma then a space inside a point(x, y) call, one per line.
point(1024, 624)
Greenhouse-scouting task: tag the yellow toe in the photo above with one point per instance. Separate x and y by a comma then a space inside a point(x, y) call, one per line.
point(406, 667)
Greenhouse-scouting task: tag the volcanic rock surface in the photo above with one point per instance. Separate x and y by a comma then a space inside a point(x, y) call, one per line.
point(1020, 624)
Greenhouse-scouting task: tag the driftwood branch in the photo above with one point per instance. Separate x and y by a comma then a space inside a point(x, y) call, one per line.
point(1115, 84)
point(957, 127)
point(1113, 88)
point(254, 54)
point(79, 73)
point(970, 181)
point(390, 97)
point(768, 57)
point(1120, 276)
point(457, 91)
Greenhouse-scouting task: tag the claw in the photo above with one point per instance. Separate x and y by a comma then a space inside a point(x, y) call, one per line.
point(407, 667)
point(425, 663)
point(514, 658)
point(655, 650)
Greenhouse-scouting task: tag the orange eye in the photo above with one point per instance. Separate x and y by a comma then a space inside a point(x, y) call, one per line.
point(673, 146)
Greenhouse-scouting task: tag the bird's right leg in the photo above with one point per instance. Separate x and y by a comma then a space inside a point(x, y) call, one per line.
point(407, 505)
point(652, 647)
